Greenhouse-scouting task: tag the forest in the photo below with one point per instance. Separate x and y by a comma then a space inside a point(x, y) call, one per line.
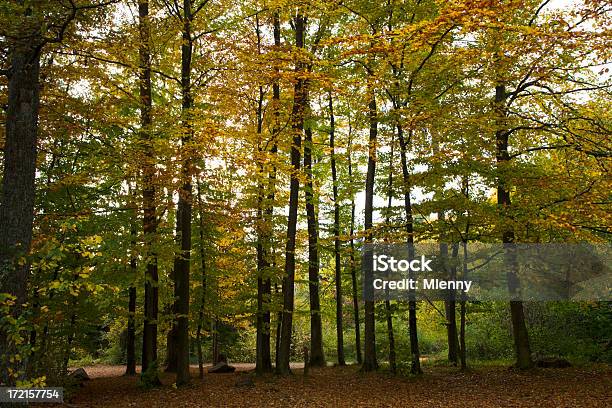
point(189, 189)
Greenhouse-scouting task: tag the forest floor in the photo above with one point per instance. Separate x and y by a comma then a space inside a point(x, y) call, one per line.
point(347, 387)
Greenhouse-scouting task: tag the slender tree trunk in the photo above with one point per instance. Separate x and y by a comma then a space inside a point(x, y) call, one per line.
point(262, 268)
point(261, 259)
point(151, 297)
point(269, 208)
point(264, 212)
point(389, 317)
point(215, 340)
point(199, 345)
point(450, 273)
point(337, 265)
point(130, 366)
point(18, 187)
point(279, 323)
point(69, 340)
point(297, 126)
point(412, 317)
point(31, 365)
point(171, 362)
point(519, 327)
point(388, 310)
point(464, 276)
point(352, 258)
point(41, 353)
point(183, 260)
point(450, 309)
point(370, 362)
point(316, 330)
point(171, 351)
point(462, 349)
point(203, 298)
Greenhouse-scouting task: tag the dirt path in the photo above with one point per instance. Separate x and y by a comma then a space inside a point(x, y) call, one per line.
point(347, 387)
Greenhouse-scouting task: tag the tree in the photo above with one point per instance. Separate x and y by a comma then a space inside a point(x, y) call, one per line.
point(352, 265)
point(265, 208)
point(337, 264)
point(25, 42)
point(388, 308)
point(149, 374)
point(297, 128)
point(316, 330)
point(370, 362)
point(130, 364)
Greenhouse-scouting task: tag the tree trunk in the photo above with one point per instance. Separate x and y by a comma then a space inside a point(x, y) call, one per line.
point(297, 115)
point(69, 339)
point(269, 208)
point(316, 330)
point(337, 265)
point(277, 339)
point(130, 366)
point(171, 362)
point(31, 365)
point(412, 317)
point(262, 265)
point(203, 298)
point(464, 276)
point(151, 297)
point(519, 327)
point(263, 361)
point(352, 258)
point(130, 363)
point(171, 352)
point(462, 349)
point(370, 362)
point(450, 272)
point(388, 310)
point(183, 261)
point(215, 340)
point(450, 307)
point(18, 187)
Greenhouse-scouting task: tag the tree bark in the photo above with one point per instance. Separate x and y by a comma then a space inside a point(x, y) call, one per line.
point(269, 208)
point(265, 202)
point(18, 186)
point(352, 258)
point(297, 127)
point(183, 260)
point(462, 349)
point(316, 329)
point(370, 362)
point(337, 264)
point(279, 324)
point(171, 356)
point(450, 307)
point(203, 297)
point(151, 297)
point(464, 276)
point(388, 309)
point(450, 273)
point(71, 331)
point(130, 363)
point(215, 340)
point(519, 327)
point(415, 367)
